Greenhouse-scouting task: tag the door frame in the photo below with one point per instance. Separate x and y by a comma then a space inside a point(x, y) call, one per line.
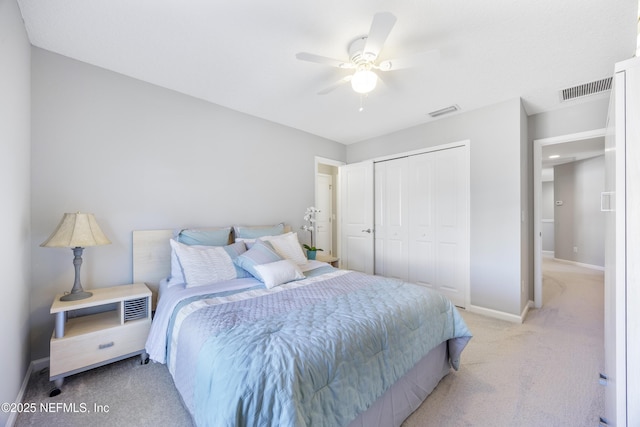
point(337, 163)
point(537, 200)
point(328, 250)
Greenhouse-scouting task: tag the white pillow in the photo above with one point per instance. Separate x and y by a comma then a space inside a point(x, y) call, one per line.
point(288, 246)
point(279, 272)
point(203, 265)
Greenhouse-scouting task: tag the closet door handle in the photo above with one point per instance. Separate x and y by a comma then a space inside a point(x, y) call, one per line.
point(368, 230)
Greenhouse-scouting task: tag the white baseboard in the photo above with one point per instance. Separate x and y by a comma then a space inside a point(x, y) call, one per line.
point(580, 264)
point(525, 310)
point(498, 314)
point(40, 364)
point(34, 366)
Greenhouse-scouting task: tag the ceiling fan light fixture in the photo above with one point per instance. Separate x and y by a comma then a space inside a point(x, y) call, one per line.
point(364, 81)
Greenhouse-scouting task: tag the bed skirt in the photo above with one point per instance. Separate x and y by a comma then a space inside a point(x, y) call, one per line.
point(408, 393)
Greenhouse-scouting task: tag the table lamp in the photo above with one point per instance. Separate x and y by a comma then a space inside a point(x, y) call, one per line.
point(76, 231)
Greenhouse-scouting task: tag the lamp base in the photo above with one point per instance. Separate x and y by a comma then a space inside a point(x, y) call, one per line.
point(75, 296)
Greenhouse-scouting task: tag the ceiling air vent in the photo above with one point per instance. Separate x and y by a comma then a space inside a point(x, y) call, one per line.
point(446, 110)
point(586, 89)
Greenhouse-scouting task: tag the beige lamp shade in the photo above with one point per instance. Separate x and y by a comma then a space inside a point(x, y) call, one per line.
point(76, 230)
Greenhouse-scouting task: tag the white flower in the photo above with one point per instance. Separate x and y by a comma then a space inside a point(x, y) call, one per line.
point(310, 217)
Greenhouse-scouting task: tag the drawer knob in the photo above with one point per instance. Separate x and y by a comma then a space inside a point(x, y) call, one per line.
point(107, 345)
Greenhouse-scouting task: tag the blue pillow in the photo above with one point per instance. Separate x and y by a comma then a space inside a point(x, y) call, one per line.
point(255, 232)
point(260, 253)
point(202, 265)
point(218, 237)
point(233, 250)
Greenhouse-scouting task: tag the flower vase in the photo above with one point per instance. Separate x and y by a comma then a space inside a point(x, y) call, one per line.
point(311, 254)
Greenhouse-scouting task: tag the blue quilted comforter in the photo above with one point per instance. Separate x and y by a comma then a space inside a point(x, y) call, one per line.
point(316, 352)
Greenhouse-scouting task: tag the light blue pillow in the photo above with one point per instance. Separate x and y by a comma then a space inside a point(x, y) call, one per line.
point(260, 253)
point(204, 265)
point(233, 250)
point(255, 232)
point(219, 237)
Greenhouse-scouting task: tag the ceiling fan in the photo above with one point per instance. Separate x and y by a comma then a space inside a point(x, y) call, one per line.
point(363, 56)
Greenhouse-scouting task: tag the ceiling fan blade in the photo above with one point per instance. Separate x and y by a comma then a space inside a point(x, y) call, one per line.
point(335, 85)
point(417, 60)
point(305, 56)
point(381, 26)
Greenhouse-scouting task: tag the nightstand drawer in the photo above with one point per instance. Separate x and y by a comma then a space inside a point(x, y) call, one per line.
point(74, 352)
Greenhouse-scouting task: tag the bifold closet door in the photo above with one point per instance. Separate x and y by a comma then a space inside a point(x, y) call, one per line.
point(438, 212)
point(391, 229)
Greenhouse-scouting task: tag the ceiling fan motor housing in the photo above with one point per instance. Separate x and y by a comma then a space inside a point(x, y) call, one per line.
point(356, 51)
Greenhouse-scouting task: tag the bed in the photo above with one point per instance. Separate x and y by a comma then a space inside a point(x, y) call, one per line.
point(276, 340)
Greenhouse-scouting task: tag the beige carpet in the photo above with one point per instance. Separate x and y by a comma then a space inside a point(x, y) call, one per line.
point(540, 373)
point(543, 372)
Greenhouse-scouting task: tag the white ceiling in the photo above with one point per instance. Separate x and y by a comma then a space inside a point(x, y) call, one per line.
point(568, 152)
point(572, 151)
point(241, 54)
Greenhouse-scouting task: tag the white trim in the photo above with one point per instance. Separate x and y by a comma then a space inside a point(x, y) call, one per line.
point(337, 163)
point(40, 364)
point(579, 264)
point(496, 314)
point(34, 366)
point(325, 161)
point(525, 310)
point(464, 142)
point(537, 197)
point(578, 136)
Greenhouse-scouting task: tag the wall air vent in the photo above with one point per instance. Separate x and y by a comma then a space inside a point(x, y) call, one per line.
point(586, 89)
point(446, 110)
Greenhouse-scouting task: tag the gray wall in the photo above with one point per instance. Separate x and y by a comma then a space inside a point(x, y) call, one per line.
point(579, 223)
point(547, 202)
point(496, 143)
point(571, 119)
point(14, 193)
point(548, 228)
point(143, 157)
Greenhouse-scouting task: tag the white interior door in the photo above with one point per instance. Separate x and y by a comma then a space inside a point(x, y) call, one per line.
point(422, 246)
point(439, 222)
point(622, 250)
point(391, 230)
point(614, 409)
point(324, 197)
point(632, 241)
point(356, 216)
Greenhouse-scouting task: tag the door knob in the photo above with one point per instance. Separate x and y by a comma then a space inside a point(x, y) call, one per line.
point(368, 230)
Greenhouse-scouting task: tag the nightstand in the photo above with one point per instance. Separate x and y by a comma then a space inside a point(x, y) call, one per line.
point(117, 329)
point(334, 261)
